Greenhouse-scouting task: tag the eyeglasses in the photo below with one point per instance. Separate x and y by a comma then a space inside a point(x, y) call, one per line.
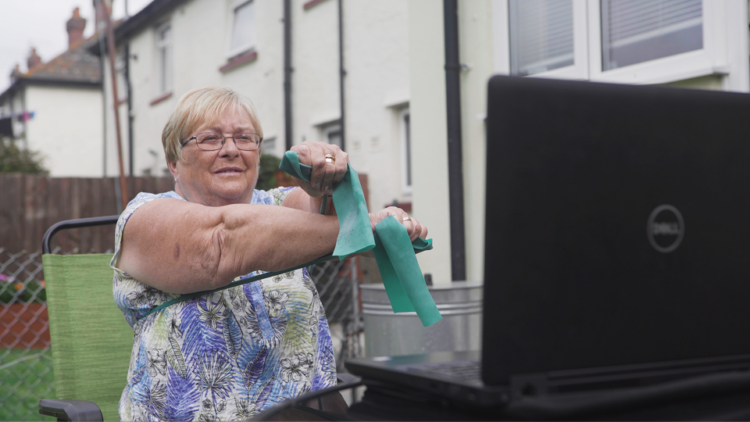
point(212, 141)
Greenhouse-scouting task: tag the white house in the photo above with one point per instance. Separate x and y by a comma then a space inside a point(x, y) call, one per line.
point(173, 46)
point(56, 107)
point(688, 43)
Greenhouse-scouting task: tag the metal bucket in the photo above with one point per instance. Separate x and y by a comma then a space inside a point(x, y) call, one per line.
point(389, 334)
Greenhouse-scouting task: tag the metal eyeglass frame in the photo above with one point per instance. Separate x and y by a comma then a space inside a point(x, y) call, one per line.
point(223, 140)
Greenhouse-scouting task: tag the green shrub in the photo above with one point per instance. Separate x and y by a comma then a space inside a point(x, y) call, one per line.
point(268, 166)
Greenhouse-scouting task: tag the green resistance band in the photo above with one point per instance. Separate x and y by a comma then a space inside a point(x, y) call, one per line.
point(394, 252)
point(395, 255)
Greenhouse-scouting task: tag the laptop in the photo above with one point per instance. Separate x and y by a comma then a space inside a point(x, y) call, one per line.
point(617, 246)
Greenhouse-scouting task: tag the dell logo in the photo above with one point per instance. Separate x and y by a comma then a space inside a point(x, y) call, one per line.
point(665, 228)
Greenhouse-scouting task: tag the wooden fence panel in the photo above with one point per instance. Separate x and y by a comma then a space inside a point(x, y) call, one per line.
point(30, 204)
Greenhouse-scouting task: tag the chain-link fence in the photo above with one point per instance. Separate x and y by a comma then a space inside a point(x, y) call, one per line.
point(336, 282)
point(25, 359)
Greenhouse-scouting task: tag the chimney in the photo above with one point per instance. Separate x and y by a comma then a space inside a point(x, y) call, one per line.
point(99, 8)
point(75, 27)
point(15, 74)
point(34, 60)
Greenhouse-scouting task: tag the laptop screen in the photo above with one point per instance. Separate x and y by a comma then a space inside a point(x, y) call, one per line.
point(617, 228)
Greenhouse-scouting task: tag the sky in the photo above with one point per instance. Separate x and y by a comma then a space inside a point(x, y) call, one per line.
point(41, 24)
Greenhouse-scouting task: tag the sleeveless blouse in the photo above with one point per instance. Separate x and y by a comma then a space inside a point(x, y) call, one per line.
point(226, 355)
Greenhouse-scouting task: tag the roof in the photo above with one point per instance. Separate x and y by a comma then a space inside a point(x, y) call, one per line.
point(75, 67)
point(147, 16)
point(77, 64)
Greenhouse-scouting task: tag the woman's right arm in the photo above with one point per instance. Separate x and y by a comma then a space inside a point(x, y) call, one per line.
point(183, 247)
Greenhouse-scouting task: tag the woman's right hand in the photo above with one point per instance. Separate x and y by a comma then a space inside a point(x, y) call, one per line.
point(325, 173)
point(413, 227)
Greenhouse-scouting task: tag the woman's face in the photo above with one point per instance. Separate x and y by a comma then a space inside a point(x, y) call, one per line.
point(223, 177)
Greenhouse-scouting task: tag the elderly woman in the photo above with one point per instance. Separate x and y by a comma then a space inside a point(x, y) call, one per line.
point(230, 354)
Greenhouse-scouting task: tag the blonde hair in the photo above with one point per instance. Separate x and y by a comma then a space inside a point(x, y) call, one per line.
point(199, 107)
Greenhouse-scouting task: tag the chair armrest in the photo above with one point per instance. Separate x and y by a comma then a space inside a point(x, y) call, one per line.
point(344, 378)
point(70, 410)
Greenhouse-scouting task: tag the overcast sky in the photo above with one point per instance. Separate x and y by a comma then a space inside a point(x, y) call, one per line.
point(41, 24)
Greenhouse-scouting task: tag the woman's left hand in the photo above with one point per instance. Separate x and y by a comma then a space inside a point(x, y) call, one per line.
point(413, 228)
point(328, 162)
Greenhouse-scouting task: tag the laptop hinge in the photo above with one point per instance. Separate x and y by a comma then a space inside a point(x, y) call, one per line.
point(528, 385)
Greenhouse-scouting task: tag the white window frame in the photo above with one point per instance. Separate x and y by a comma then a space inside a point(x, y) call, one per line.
point(233, 52)
point(725, 48)
point(712, 59)
point(326, 130)
point(271, 151)
point(501, 37)
point(406, 165)
point(162, 71)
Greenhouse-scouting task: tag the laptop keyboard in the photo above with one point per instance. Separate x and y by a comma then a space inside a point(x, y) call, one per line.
point(464, 371)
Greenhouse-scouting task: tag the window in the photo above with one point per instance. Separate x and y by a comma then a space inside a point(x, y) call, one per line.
point(405, 129)
point(332, 134)
point(269, 146)
point(242, 36)
point(164, 58)
point(541, 35)
point(637, 31)
point(623, 41)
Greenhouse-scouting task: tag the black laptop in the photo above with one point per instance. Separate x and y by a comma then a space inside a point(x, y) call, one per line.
point(617, 246)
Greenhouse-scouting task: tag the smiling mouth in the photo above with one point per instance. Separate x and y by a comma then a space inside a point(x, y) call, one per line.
point(232, 170)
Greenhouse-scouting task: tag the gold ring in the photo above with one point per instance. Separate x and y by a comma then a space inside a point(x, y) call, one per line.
point(330, 158)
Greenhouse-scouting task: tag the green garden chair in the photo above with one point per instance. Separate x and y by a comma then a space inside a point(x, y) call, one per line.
point(90, 339)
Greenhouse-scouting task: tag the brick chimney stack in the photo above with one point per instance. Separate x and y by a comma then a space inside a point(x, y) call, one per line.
point(75, 27)
point(34, 60)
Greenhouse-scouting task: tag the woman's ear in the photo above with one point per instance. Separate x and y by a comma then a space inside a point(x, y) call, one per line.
point(173, 169)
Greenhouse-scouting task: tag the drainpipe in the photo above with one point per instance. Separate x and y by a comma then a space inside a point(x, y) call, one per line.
point(288, 138)
point(129, 93)
point(112, 52)
point(342, 75)
point(102, 68)
point(455, 160)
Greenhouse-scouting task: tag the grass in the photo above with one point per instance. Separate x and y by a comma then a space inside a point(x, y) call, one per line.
point(25, 377)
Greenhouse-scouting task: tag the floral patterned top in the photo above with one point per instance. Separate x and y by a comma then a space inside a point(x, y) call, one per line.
point(225, 355)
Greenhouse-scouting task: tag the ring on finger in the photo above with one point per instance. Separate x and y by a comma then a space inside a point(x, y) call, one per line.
point(330, 159)
point(406, 219)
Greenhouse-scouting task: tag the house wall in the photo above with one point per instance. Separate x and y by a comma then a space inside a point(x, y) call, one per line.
point(429, 134)
point(427, 76)
point(377, 81)
point(66, 129)
point(475, 48)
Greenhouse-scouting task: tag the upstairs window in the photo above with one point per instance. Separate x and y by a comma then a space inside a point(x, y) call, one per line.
point(546, 38)
point(541, 35)
point(164, 58)
point(623, 41)
point(637, 31)
point(242, 36)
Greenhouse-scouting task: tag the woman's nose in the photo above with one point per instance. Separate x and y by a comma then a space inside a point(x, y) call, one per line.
point(229, 147)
